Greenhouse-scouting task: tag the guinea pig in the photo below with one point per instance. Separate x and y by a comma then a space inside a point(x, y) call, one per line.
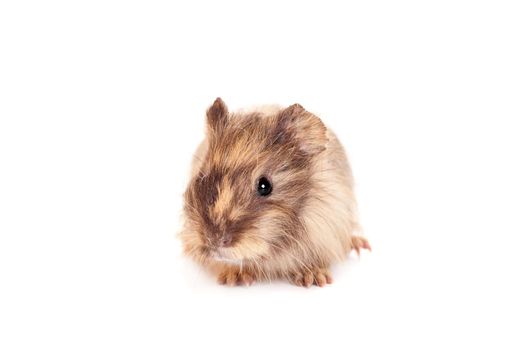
point(270, 197)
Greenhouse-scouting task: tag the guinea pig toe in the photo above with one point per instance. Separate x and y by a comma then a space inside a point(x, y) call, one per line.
point(359, 243)
point(320, 279)
point(246, 279)
point(303, 279)
point(308, 279)
point(323, 277)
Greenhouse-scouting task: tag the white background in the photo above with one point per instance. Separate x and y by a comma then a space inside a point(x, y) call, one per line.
point(102, 104)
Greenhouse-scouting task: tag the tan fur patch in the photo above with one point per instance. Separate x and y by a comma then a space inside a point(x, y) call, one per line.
point(224, 199)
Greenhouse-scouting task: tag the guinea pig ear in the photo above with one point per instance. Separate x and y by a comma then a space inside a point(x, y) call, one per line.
point(304, 127)
point(217, 115)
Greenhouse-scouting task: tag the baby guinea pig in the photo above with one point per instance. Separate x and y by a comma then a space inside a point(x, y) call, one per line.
point(270, 197)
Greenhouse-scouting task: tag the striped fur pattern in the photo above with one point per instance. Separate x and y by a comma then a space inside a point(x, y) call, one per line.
point(306, 224)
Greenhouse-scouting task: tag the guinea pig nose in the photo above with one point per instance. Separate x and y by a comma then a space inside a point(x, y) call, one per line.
point(225, 241)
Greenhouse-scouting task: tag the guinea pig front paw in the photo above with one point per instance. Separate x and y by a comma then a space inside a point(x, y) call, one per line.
point(233, 276)
point(318, 276)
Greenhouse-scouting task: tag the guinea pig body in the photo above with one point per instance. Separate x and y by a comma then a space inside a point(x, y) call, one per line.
point(270, 197)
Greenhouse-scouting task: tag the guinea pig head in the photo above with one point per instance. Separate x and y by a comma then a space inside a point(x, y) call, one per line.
point(244, 202)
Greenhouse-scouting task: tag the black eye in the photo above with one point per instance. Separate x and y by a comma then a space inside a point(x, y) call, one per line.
point(264, 188)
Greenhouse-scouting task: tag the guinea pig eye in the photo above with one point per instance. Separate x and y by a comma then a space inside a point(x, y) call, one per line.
point(264, 188)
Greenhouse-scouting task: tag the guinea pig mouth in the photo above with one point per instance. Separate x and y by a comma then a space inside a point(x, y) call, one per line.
point(222, 257)
point(228, 260)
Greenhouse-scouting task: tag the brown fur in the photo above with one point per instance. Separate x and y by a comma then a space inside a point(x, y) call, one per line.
point(308, 221)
